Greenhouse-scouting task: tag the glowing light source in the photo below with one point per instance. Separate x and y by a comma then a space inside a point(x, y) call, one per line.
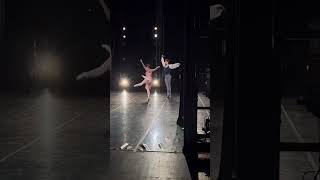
point(156, 83)
point(124, 82)
point(156, 35)
point(124, 36)
point(124, 28)
point(48, 67)
point(156, 28)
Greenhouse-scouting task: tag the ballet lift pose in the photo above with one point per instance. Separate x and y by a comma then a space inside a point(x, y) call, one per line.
point(147, 78)
point(166, 73)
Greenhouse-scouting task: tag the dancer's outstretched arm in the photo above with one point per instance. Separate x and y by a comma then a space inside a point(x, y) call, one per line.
point(100, 70)
point(144, 66)
point(155, 69)
point(162, 61)
point(174, 66)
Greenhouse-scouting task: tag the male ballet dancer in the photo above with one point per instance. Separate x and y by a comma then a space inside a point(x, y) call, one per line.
point(166, 73)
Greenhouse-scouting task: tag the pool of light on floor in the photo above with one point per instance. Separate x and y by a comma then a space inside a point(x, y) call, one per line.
point(124, 103)
point(124, 99)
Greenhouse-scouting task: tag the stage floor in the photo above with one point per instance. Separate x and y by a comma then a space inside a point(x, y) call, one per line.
point(52, 137)
point(298, 125)
point(46, 137)
point(136, 121)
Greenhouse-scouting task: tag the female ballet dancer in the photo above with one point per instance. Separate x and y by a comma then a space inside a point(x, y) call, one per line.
point(166, 73)
point(147, 78)
point(99, 70)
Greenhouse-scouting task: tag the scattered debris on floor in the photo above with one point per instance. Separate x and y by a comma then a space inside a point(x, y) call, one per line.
point(129, 147)
point(124, 146)
point(146, 147)
point(160, 146)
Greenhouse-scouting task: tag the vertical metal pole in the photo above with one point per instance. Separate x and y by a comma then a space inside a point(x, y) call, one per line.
point(162, 31)
point(157, 51)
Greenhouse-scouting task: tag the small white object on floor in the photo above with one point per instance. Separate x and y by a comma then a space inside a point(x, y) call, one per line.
point(124, 145)
point(146, 147)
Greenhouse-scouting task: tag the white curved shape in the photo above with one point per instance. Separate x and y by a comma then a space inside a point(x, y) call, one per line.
point(106, 10)
point(216, 11)
point(106, 66)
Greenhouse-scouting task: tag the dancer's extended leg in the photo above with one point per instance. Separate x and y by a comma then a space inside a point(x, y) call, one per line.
point(148, 92)
point(169, 86)
point(140, 84)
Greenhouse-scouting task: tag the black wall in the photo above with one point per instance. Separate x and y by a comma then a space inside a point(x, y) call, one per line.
point(3, 63)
